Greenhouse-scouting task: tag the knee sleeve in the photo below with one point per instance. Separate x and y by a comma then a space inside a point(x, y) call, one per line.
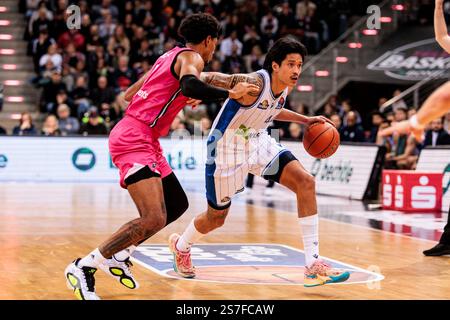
point(174, 197)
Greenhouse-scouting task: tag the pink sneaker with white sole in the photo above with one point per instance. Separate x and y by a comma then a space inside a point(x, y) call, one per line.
point(182, 263)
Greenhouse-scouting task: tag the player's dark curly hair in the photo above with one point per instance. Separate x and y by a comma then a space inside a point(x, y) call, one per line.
point(197, 27)
point(280, 49)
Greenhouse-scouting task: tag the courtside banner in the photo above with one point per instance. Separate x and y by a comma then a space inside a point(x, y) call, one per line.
point(437, 159)
point(74, 159)
point(54, 159)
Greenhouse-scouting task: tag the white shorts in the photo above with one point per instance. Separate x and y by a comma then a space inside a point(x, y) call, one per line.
point(232, 161)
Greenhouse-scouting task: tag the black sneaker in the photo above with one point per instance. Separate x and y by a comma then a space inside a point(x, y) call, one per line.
point(438, 250)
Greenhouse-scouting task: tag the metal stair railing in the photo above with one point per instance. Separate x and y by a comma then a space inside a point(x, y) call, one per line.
point(326, 59)
point(351, 31)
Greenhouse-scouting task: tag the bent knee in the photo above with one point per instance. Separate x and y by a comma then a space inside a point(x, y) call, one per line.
point(219, 222)
point(217, 217)
point(154, 222)
point(161, 221)
point(305, 182)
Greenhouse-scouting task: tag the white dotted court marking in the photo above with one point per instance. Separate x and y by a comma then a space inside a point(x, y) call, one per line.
point(165, 273)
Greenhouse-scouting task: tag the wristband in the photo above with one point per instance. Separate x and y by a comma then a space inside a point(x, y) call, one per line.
point(415, 123)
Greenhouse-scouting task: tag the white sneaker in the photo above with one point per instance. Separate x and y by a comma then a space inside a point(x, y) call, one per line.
point(81, 280)
point(268, 192)
point(120, 270)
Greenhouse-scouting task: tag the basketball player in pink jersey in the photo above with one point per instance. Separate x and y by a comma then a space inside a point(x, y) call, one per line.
point(135, 150)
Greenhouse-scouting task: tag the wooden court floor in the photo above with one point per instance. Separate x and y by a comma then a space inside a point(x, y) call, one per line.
point(45, 226)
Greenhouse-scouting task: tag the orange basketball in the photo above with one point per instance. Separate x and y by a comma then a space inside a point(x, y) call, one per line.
point(321, 140)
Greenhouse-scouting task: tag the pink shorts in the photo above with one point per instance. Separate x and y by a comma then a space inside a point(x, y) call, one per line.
point(134, 145)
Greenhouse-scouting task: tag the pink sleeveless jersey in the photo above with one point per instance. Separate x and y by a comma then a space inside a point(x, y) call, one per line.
point(160, 99)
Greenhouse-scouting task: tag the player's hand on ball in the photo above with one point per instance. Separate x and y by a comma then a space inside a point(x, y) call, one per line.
point(321, 139)
point(242, 89)
point(320, 119)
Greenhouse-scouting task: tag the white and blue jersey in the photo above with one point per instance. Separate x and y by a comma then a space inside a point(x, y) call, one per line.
point(238, 143)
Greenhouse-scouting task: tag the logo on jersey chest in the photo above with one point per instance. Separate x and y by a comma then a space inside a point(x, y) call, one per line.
point(141, 93)
point(280, 103)
point(264, 105)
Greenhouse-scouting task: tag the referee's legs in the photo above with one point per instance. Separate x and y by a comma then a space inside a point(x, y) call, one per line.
point(445, 238)
point(443, 247)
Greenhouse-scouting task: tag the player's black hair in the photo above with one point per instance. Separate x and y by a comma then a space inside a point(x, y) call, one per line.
point(280, 49)
point(197, 27)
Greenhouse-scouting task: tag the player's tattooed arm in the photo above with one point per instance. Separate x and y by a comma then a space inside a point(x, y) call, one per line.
point(227, 81)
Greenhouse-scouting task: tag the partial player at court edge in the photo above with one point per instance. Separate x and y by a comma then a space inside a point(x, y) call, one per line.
point(435, 107)
point(239, 144)
point(133, 143)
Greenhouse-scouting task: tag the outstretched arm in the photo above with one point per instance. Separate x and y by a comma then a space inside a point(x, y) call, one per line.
point(440, 27)
point(436, 105)
point(292, 116)
point(190, 66)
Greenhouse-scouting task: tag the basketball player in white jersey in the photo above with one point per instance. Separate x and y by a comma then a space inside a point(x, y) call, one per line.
point(239, 143)
point(436, 106)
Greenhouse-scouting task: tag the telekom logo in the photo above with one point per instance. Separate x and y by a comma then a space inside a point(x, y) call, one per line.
point(142, 94)
point(423, 196)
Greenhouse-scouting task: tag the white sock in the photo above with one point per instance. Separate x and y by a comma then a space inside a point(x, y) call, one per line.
point(124, 254)
point(93, 259)
point(189, 236)
point(310, 234)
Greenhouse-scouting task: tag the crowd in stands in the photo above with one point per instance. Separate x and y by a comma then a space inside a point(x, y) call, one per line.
point(82, 72)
